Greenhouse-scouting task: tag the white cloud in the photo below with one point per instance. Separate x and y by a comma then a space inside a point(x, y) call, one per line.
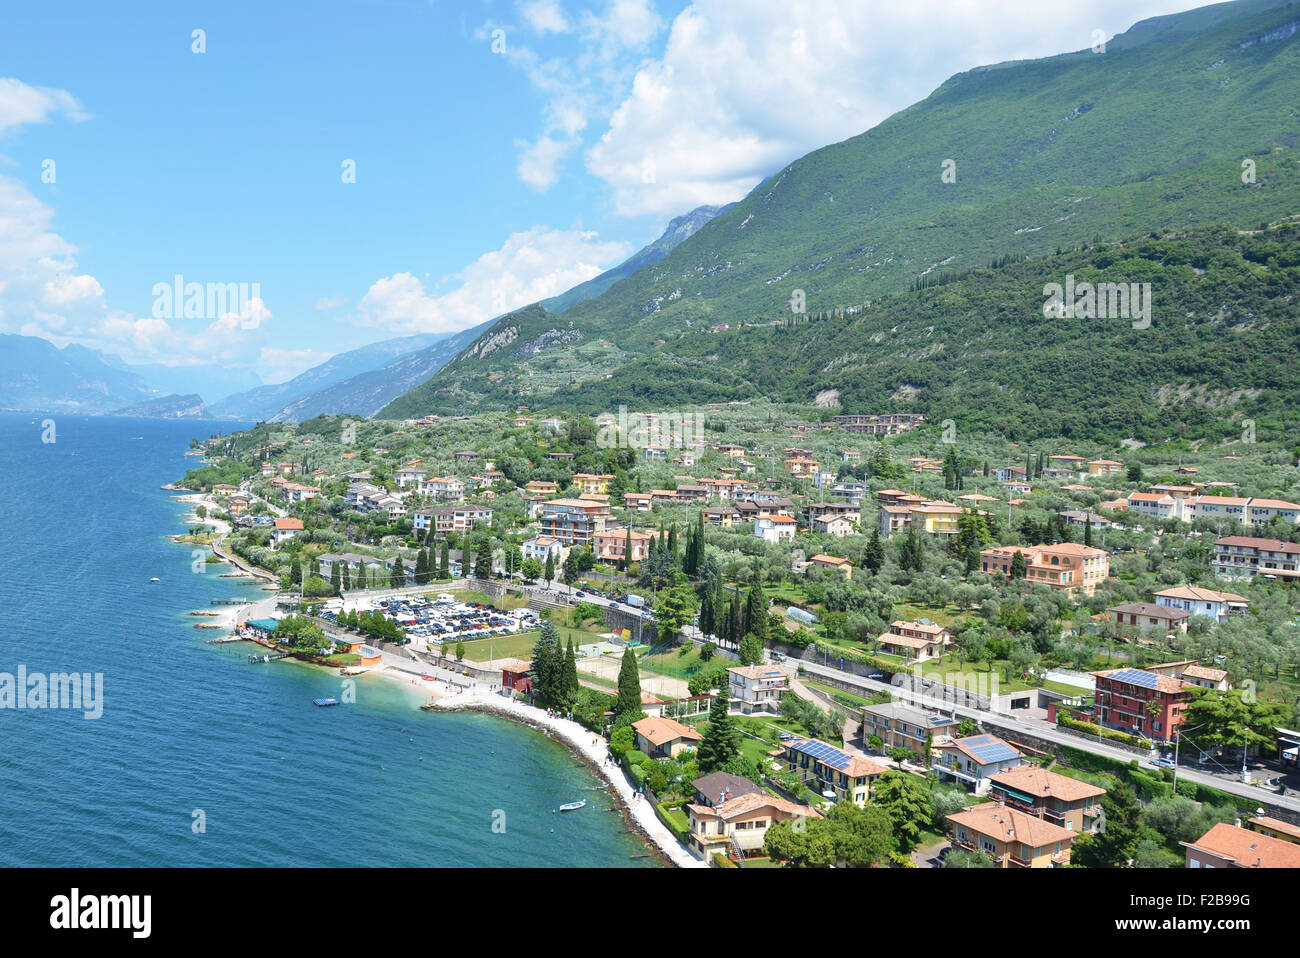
point(530, 266)
point(544, 16)
point(21, 104)
point(583, 83)
point(327, 303)
point(742, 89)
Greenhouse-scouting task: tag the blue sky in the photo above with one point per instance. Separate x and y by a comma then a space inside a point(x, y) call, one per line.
point(504, 150)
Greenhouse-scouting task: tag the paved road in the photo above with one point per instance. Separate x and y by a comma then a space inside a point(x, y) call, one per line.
point(1052, 733)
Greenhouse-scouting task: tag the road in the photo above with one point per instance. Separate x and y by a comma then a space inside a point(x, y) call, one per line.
point(1052, 733)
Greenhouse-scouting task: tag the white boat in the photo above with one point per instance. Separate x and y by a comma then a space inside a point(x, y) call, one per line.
point(155, 579)
point(572, 806)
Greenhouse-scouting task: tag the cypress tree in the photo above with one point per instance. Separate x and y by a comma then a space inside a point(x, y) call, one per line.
point(627, 549)
point(547, 667)
point(347, 578)
point(444, 562)
point(1087, 531)
point(549, 572)
point(628, 701)
point(706, 622)
point(1018, 565)
point(421, 568)
point(571, 686)
point(756, 612)
point(874, 559)
point(336, 579)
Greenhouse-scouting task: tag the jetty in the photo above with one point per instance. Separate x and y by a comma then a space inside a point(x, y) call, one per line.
point(259, 659)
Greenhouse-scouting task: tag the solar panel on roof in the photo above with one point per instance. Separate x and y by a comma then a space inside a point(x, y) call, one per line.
point(1146, 680)
point(994, 752)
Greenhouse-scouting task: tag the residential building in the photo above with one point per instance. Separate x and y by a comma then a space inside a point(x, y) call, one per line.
point(611, 545)
point(1141, 702)
point(1104, 467)
point(886, 424)
point(1244, 557)
point(774, 528)
point(832, 772)
point(591, 482)
point(904, 726)
point(757, 688)
point(1012, 838)
point(539, 547)
point(1231, 846)
point(723, 516)
point(661, 737)
point(442, 488)
point(575, 521)
point(286, 529)
point(1148, 620)
point(738, 827)
point(974, 760)
point(721, 787)
point(1055, 798)
point(825, 563)
point(1069, 566)
point(1208, 602)
point(915, 641)
point(446, 519)
point(838, 526)
point(541, 487)
point(1275, 828)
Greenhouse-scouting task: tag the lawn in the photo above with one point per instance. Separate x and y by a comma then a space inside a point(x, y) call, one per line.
point(500, 647)
point(673, 663)
point(951, 663)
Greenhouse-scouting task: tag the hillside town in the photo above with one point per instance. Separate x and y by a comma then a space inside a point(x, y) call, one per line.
point(814, 639)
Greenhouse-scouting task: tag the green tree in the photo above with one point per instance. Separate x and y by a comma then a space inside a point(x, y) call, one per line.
point(628, 701)
point(721, 741)
point(751, 649)
point(1229, 719)
point(675, 608)
point(1116, 841)
point(874, 558)
point(548, 664)
point(421, 568)
point(548, 573)
point(1018, 565)
point(906, 800)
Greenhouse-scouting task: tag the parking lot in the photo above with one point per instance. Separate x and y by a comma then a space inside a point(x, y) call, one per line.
point(444, 619)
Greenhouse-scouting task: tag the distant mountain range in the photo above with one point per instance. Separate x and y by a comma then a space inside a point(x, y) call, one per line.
point(266, 402)
point(39, 376)
point(168, 407)
point(1016, 161)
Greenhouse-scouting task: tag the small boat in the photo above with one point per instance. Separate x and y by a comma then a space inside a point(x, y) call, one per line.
point(572, 806)
point(155, 579)
point(324, 702)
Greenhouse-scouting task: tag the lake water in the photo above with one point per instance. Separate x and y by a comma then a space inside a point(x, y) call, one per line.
point(191, 733)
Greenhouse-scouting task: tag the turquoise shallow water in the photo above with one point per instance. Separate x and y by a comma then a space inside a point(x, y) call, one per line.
point(189, 726)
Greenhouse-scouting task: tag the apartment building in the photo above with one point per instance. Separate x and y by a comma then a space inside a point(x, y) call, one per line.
point(1069, 566)
point(575, 521)
point(1244, 557)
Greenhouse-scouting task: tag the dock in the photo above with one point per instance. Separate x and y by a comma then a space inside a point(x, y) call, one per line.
point(259, 659)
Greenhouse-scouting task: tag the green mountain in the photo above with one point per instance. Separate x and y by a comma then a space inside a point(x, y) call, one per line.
point(189, 406)
point(679, 229)
point(1059, 153)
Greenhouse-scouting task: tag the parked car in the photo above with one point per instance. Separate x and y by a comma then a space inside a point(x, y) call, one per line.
point(1163, 762)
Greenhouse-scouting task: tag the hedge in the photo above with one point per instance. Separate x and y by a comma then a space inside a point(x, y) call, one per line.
point(1113, 734)
point(677, 828)
point(722, 861)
